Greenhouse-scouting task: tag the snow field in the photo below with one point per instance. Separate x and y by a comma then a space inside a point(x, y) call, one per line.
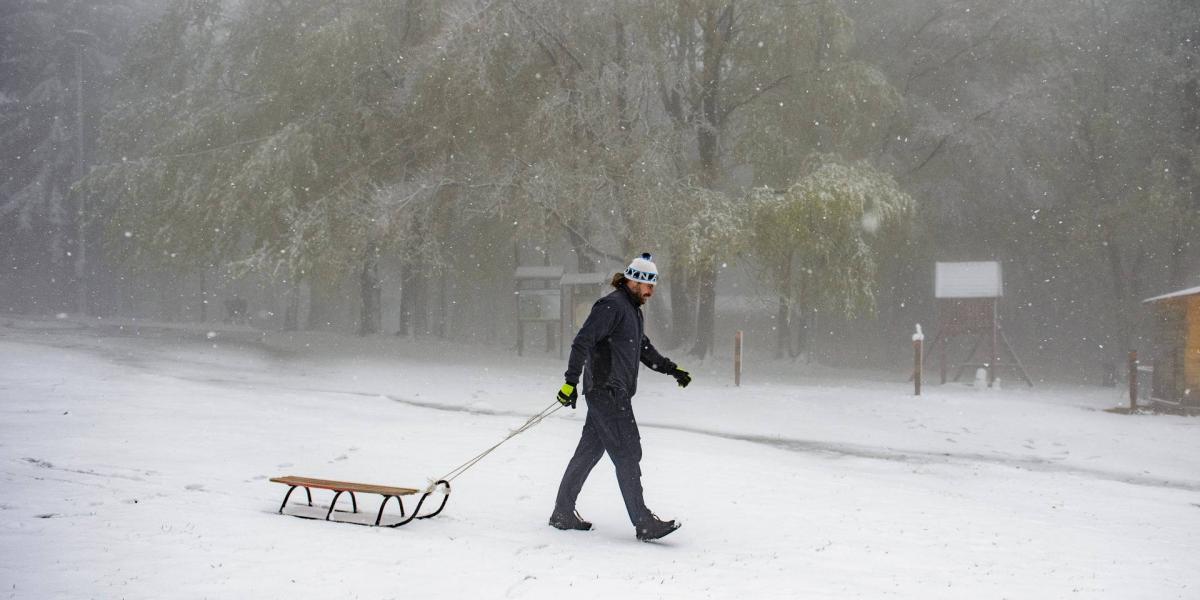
point(135, 467)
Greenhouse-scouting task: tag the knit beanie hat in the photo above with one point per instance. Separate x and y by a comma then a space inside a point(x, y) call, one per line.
point(642, 270)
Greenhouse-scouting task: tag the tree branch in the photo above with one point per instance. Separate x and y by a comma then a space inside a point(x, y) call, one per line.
point(752, 97)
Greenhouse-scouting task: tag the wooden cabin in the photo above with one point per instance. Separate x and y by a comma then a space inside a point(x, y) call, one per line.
point(1175, 351)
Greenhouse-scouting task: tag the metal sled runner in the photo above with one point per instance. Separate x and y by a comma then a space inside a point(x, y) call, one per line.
point(388, 492)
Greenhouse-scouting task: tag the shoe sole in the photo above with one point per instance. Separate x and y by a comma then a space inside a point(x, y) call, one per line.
point(665, 534)
point(569, 528)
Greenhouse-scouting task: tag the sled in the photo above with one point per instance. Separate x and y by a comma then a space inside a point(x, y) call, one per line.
point(345, 487)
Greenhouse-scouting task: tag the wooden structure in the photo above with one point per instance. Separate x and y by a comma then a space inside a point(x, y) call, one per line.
point(345, 487)
point(1175, 353)
point(539, 300)
point(967, 295)
point(579, 292)
point(560, 302)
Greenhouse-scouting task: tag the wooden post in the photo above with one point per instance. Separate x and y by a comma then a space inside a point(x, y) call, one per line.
point(942, 340)
point(918, 358)
point(994, 356)
point(737, 358)
point(1133, 380)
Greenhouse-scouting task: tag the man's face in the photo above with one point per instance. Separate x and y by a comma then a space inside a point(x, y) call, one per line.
point(642, 291)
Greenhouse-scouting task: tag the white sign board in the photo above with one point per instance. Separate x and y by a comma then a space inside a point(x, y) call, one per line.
point(967, 280)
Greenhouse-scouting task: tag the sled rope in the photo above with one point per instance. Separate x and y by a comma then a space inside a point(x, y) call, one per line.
point(534, 420)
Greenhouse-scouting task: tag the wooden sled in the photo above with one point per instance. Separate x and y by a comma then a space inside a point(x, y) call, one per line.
point(340, 487)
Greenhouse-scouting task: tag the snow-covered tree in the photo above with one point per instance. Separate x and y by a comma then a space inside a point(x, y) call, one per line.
point(814, 240)
point(1119, 183)
point(558, 99)
point(1032, 133)
point(56, 63)
point(270, 143)
point(772, 82)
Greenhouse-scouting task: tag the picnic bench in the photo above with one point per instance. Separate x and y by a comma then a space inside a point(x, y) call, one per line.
point(346, 487)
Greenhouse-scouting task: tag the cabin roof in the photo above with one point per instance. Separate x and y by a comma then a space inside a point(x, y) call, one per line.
point(1179, 294)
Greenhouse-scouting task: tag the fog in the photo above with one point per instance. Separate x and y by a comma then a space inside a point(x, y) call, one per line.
point(383, 168)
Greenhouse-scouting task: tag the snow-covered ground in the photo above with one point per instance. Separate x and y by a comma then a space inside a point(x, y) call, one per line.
point(134, 463)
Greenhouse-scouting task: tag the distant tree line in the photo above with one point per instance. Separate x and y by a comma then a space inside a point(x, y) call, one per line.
point(836, 149)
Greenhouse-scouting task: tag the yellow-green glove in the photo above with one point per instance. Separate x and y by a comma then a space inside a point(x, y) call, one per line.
point(568, 395)
point(681, 377)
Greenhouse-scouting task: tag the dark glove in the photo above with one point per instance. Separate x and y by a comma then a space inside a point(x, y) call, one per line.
point(568, 395)
point(681, 377)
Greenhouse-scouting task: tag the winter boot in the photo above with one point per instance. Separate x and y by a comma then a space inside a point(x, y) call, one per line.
point(653, 528)
point(568, 520)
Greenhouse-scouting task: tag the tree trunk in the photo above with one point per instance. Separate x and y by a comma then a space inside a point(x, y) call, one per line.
point(783, 331)
point(81, 271)
point(291, 314)
point(420, 305)
point(1176, 265)
point(583, 261)
point(203, 295)
point(717, 31)
point(682, 307)
point(784, 315)
point(407, 276)
point(1120, 294)
point(320, 306)
point(368, 280)
point(443, 307)
point(166, 303)
point(706, 310)
point(807, 325)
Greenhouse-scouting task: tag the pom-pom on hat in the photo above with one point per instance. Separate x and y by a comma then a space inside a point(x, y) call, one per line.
point(642, 270)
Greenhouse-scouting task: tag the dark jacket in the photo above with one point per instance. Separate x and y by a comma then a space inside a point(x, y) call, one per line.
point(611, 343)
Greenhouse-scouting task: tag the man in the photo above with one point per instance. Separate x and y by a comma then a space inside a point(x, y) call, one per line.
point(611, 343)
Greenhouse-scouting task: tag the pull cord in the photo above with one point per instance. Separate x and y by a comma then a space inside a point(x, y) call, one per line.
point(534, 420)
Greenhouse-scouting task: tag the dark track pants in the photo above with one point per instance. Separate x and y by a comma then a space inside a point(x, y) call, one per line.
point(609, 427)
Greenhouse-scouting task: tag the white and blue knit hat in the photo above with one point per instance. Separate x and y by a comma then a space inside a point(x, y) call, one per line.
point(642, 270)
